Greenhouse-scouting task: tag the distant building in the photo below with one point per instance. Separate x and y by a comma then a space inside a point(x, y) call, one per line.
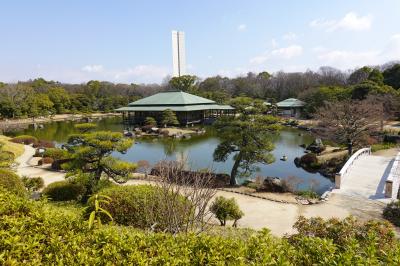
point(189, 108)
point(178, 53)
point(291, 107)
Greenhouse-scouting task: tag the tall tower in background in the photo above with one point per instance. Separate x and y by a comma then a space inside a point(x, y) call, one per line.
point(178, 53)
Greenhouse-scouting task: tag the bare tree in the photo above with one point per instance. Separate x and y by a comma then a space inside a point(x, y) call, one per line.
point(349, 122)
point(196, 188)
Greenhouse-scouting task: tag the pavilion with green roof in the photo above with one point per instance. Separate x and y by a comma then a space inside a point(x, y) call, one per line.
point(290, 107)
point(189, 108)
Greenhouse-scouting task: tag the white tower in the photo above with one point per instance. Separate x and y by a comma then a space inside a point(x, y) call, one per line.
point(178, 53)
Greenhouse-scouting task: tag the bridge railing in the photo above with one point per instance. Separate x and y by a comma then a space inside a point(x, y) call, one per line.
point(345, 169)
point(393, 181)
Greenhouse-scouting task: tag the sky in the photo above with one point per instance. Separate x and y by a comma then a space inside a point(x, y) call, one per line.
point(119, 41)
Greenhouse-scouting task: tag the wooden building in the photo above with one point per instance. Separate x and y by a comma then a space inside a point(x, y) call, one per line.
point(291, 107)
point(189, 108)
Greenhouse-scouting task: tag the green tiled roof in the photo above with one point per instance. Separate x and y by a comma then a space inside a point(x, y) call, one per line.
point(291, 102)
point(171, 98)
point(181, 108)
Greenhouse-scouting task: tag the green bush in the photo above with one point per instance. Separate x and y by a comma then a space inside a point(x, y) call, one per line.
point(308, 194)
point(45, 160)
point(32, 183)
point(142, 206)
point(392, 212)
point(11, 181)
point(64, 191)
point(36, 233)
point(6, 159)
point(25, 139)
point(226, 209)
point(56, 154)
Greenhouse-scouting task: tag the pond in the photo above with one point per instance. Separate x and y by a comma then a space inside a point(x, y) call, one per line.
point(198, 150)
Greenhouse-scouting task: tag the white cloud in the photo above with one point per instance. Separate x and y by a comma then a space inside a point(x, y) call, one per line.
point(141, 72)
point(242, 27)
point(274, 43)
point(349, 59)
point(290, 36)
point(93, 68)
point(280, 53)
point(351, 21)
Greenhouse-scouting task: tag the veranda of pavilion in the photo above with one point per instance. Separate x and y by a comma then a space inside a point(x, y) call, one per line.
point(189, 109)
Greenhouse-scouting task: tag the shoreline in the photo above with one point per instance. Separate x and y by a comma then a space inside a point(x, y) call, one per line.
point(10, 124)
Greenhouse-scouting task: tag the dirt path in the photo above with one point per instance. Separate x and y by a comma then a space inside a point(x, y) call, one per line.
point(259, 213)
point(27, 168)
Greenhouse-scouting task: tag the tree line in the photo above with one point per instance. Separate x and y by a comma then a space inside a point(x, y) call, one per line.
point(40, 97)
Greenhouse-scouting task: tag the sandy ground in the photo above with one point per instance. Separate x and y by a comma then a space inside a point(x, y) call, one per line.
point(259, 213)
point(387, 153)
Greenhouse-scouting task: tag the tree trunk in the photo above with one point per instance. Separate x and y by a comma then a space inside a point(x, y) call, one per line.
point(234, 171)
point(350, 147)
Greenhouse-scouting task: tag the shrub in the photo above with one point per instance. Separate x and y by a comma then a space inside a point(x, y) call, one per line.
point(56, 154)
point(150, 121)
point(25, 139)
point(32, 183)
point(308, 194)
point(11, 181)
point(44, 144)
point(6, 158)
point(309, 159)
point(141, 206)
point(85, 127)
point(64, 191)
point(392, 212)
point(226, 209)
point(382, 146)
point(45, 160)
point(36, 233)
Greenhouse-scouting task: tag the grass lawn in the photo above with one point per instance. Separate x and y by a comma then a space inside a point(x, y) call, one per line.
point(17, 149)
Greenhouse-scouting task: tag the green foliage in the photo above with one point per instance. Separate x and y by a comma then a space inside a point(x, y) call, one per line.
point(24, 139)
point(226, 209)
point(392, 76)
point(90, 153)
point(248, 137)
point(94, 216)
point(376, 76)
point(36, 233)
point(32, 184)
point(56, 153)
point(308, 194)
point(169, 118)
point(11, 181)
point(6, 158)
point(64, 191)
point(183, 83)
point(392, 212)
point(141, 206)
point(85, 127)
point(150, 121)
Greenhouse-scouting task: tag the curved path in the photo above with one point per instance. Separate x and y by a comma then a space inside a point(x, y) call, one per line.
point(259, 213)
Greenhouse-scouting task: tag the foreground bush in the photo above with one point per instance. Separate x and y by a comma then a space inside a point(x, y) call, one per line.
point(11, 181)
point(64, 191)
point(34, 233)
point(392, 212)
point(143, 206)
point(25, 139)
point(226, 209)
point(32, 183)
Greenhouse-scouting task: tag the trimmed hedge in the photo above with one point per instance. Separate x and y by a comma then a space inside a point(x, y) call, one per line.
point(392, 212)
point(64, 191)
point(25, 139)
point(141, 206)
point(36, 233)
point(11, 181)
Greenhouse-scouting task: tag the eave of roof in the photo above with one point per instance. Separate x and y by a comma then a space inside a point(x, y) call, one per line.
point(177, 108)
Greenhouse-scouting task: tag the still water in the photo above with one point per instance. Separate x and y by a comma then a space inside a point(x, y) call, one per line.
point(198, 150)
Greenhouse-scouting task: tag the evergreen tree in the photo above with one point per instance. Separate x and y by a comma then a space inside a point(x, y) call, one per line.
point(169, 118)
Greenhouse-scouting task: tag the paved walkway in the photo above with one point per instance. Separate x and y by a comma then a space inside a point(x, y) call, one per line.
point(27, 166)
point(366, 178)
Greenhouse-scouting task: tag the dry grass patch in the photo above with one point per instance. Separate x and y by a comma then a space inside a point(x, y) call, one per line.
point(16, 148)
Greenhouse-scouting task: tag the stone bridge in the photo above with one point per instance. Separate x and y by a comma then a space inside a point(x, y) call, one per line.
point(369, 176)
